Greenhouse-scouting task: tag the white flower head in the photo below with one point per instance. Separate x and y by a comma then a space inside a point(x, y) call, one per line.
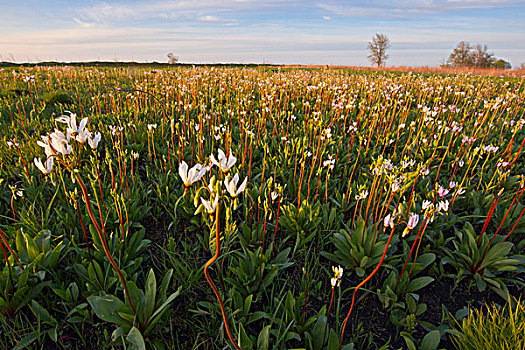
point(413, 220)
point(338, 275)
point(60, 142)
point(395, 186)
point(442, 191)
point(338, 271)
point(48, 149)
point(45, 168)
point(426, 204)
point(210, 205)
point(189, 177)
point(224, 163)
point(460, 191)
point(388, 221)
point(93, 141)
point(79, 132)
point(231, 185)
point(443, 206)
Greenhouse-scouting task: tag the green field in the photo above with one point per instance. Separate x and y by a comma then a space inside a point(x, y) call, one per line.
point(212, 207)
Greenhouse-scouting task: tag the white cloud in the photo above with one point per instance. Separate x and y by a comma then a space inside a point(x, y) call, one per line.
point(208, 18)
point(109, 12)
point(105, 12)
point(403, 8)
point(327, 18)
point(83, 24)
point(481, 2)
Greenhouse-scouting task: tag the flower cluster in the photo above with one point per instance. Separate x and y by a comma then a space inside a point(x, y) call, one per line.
point(79, 132)
point(57, 143)
point(231, 184)
point(330, 162)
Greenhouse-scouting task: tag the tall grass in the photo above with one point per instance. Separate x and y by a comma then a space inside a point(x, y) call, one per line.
point(499, 328)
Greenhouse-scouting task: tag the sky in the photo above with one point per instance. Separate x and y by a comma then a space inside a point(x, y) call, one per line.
point(336, 32)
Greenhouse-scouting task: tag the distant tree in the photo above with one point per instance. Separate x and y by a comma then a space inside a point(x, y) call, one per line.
point(378, 46)
point(461, 55)
point(172, 59)
point(467, 55)
point(501, 64)
point(480, 56)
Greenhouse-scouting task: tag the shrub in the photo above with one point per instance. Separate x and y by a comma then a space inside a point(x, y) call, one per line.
point(55, 97)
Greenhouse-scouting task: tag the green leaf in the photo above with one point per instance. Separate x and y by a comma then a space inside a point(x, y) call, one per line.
point(257, 315)
point(247, 304)
point(118, 333)
point(135, 338)
point(138, 300)
point(480, 283)
point(93, 271)
point(333, 341)
point(74, 291)
point(81, 270)
point(410, 343)
point(28, 250)
point(53, 334)
point(289, 304)
point(245, 342)
point(498, 251)
point(161, 296)
point(160, 310)
point(292, 336)
point(317, 332)
point(419, 283)
point(426, 259)
point(127, 316)
point(430, 341)
point(26, 341)
point(262, 340)
point(43, 239)
point(106, 307)
point(359, 271)
point(41, 312)
point(150, 292)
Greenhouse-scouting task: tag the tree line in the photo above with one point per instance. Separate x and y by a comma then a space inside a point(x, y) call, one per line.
point(474, 55)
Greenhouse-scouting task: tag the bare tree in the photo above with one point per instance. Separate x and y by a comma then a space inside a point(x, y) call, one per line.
point(378, 46)
point(481, 57)
point(461, 55)
point(172, 59)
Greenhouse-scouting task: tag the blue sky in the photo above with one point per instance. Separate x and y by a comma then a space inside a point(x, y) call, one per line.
point(422, 32)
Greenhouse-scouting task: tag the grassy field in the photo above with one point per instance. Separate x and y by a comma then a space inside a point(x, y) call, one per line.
point(256, 207)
